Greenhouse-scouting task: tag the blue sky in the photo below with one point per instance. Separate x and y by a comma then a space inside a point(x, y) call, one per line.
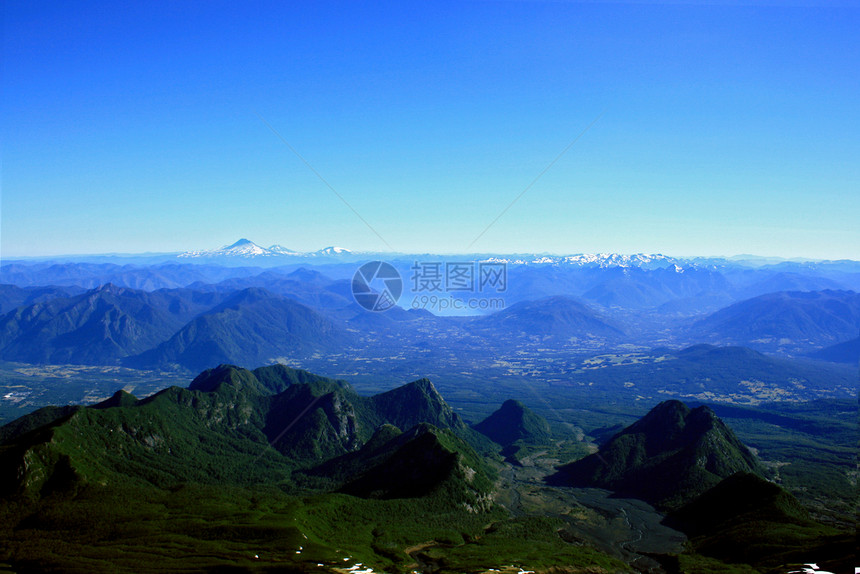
point(722, 127)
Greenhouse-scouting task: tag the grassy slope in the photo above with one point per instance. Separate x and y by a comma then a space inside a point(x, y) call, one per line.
point(134, 529)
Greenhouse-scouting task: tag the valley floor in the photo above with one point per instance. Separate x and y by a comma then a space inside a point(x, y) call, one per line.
point(625, 528)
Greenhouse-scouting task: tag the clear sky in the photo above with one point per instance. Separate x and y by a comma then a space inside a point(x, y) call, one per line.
point(722, 127)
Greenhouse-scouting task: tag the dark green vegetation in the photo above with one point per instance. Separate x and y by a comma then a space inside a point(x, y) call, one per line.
point(280, 468)
point(35, 420)
point(251, 463)
point(809, 448)
point(25, 388)
point(690, 462)
point(515, 427)
point(667, 458)
point(748, 520)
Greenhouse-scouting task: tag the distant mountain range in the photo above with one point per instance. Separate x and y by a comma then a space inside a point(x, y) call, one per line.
point(252, 326)
point(247, 249)
point(640, 281)
point(252, 305)
point(556, 317)
point(99, 326)
point(291, 315)
point(12, 296)
point(792, 320)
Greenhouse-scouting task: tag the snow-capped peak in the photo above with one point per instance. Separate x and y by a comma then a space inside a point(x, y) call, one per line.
point(333, 251)
point(619, 259)
point(244, 248)
point(602, 260)
point(241, 243)
point(648, 261)
point(248, 249)
point(281, 250)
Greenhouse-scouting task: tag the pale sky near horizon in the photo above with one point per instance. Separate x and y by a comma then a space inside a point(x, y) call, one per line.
point(716, 127)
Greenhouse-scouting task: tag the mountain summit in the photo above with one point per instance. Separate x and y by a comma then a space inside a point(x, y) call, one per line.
point(244, 248)
point(668, 457)
point(332, 251)
point(514, 422)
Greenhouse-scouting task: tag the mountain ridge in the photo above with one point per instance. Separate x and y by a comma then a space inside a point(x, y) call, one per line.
point(249, 326)
point(796, 320)
point(287, 418)
point(102, 325)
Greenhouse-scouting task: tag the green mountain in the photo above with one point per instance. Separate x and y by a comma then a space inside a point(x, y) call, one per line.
point(668, 457)
point(281, 469)
point(120, 398)
point(739, 498)
point(514, 422)
point(36, 419)
point(746, 519)
point(422, 461)
point(250, 326)
point(231, 425)
point(415, 403)
point(175, 436)
point(269, 380)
